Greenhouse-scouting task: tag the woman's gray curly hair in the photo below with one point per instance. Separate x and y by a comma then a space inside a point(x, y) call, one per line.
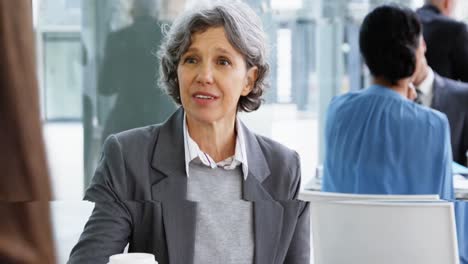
point(243, 30)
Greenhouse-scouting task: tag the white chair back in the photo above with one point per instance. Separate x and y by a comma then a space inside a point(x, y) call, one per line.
point(384, 232)
point(330, 196)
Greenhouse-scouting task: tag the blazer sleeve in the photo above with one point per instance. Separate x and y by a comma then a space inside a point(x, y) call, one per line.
point(108, 229)
point(299, 248)
point(459, 54)
point(464, 139)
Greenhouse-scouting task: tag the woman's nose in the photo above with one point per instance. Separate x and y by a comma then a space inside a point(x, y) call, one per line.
point(205, 74)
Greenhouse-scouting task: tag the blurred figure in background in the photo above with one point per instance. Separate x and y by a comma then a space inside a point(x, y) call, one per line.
point(451, 98)
point(25, 230)
point(377, 140)
point(130, 70)
point(446, 38)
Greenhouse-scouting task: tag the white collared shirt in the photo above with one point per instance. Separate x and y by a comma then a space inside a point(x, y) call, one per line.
point(426, 88)
point(193, 151)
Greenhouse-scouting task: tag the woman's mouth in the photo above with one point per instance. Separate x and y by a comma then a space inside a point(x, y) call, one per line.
point(200, 96)
point(204, 98)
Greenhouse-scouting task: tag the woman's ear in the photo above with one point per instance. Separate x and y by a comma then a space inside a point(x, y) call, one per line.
point(252, 75)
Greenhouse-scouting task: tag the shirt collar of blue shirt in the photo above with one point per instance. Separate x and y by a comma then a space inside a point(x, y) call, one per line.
point(193, 151)
point(384, 91)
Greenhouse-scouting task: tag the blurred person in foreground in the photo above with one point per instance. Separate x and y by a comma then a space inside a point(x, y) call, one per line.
point(25, 229)
point(446, 39)
point(449, 97)
point(377, 140)
point(201, 187)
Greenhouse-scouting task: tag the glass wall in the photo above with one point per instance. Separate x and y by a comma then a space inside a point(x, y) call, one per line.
point(98, 72)
point(62, 76)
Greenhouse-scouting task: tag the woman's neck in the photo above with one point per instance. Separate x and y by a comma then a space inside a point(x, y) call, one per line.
point(401, 87)
point(217, 139)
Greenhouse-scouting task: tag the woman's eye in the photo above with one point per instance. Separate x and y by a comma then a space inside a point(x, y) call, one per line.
point(190, 60)
point(224, 62)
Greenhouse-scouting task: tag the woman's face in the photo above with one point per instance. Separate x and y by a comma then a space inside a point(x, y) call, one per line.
point(212, 76)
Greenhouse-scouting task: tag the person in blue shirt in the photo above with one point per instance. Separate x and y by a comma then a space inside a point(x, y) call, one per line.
point(377, 140)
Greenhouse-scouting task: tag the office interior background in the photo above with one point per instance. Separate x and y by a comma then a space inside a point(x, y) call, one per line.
point(314, 56)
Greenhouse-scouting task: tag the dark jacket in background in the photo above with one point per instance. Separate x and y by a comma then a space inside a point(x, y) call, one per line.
point(451, 98)
point(447, 43)
point(130, 71)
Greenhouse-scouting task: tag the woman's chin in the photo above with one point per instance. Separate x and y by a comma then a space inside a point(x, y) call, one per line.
point(207, 117)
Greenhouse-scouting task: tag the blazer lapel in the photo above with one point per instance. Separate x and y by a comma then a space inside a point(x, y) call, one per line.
point(268, 220)
point(170, 187)
point(168, 161)
point(179, 224)
point(439, 93)
point(268, 214)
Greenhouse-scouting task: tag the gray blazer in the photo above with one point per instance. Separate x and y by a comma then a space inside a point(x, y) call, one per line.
point(140, 186)
point(451, 98)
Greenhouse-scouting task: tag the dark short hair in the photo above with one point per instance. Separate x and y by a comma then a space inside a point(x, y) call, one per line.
point(388, 40)
point(243, 30)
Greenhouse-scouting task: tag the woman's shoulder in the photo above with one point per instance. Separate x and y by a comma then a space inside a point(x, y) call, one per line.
point(274, 150)
point(284, 166)
point(136, 138)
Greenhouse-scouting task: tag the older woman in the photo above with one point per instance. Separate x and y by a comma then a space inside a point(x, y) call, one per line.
point(201, 188)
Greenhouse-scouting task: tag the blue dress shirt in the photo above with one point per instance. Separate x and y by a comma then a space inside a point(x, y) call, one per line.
point(378, 142)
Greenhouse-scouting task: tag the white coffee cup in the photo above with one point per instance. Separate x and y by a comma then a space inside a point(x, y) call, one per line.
point(132, 258)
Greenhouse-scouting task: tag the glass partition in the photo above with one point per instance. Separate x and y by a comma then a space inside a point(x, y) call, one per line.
point(62, 76)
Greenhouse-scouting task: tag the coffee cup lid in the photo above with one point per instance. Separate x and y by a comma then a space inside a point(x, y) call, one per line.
point(132, 258)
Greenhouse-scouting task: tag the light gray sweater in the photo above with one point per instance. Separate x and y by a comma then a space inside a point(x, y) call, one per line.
point(224, 225)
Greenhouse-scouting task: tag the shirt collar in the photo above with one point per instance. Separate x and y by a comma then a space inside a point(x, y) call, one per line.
point(193, 151)
point(426, 87)
point(384, 91)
